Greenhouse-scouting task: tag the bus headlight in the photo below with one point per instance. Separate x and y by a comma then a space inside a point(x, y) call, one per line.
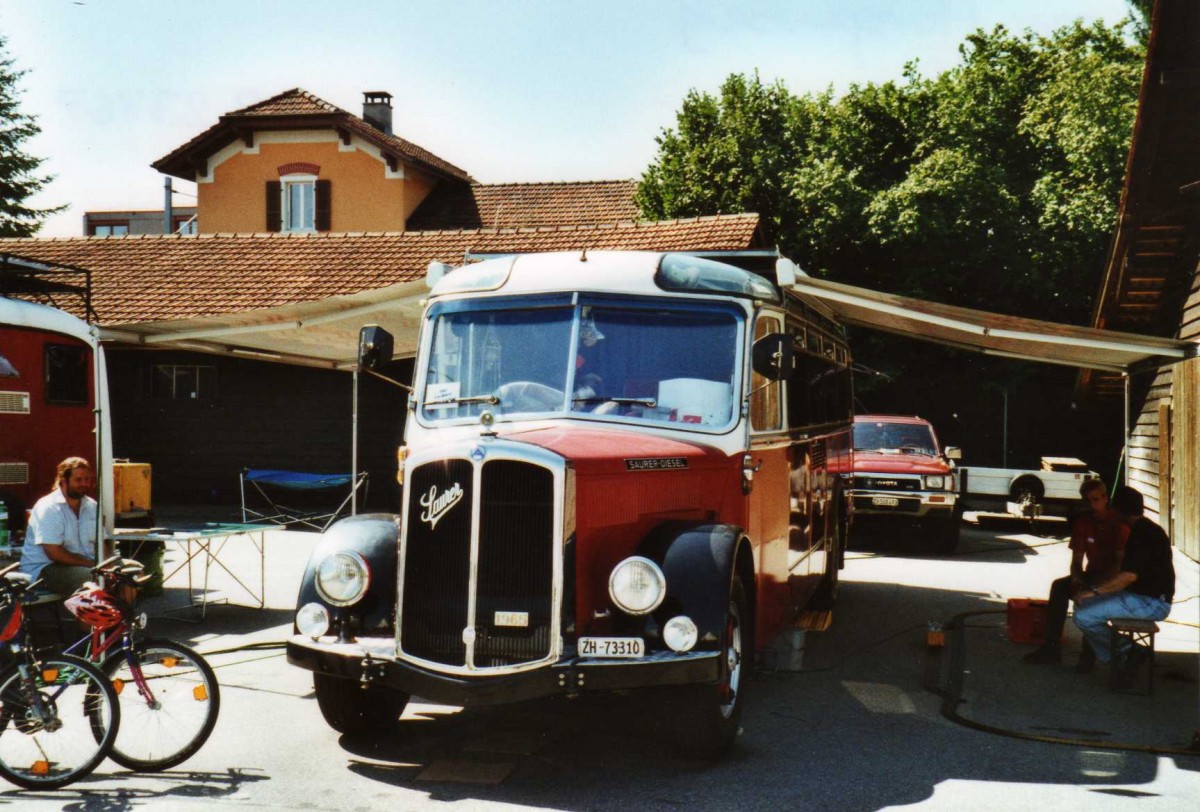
point(680, 633)
point(637, 586)
point(342, 578)
point(313, 620)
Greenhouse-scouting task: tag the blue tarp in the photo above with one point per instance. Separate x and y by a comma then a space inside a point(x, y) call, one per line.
point(296, 480)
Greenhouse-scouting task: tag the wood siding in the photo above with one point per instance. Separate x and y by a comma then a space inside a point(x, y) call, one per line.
point(263, 415)
point(1164, 459)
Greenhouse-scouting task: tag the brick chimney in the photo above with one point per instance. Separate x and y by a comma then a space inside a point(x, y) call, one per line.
point(377, 110)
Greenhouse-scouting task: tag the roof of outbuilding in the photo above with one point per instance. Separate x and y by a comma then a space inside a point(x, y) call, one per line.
point(143, 278)
point(1151, 265)
point(294, 109)
point(514, 205)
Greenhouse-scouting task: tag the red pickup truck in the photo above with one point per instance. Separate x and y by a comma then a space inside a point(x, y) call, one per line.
point(902, 474)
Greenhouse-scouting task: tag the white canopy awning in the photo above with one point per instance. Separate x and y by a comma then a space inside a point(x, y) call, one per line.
point(325, 333)
point(993, 333)
point(319, 334)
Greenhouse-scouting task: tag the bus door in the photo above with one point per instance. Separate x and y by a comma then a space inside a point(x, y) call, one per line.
point(769, 505)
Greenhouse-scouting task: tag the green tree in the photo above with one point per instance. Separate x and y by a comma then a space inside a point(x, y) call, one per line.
point(996, 181)
point(992, 185)
point(18, 178)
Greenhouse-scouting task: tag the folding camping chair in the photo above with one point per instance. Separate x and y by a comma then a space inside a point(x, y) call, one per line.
point(274, 486)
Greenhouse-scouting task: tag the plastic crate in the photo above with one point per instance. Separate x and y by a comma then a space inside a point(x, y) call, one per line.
point(1027, 620)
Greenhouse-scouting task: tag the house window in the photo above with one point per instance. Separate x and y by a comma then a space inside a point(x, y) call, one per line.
point(183, 382)
point(298, 202)
point(183, 224)
point(110, 228)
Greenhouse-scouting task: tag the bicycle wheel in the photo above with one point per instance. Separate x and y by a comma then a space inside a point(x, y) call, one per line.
point(60, 734)
point(174, 722)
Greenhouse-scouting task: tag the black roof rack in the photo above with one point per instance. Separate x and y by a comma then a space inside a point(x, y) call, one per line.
point(47, 283)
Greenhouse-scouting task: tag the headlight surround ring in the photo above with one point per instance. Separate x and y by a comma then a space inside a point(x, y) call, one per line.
point(935, 482)
point(342, 578)
point(637, 586)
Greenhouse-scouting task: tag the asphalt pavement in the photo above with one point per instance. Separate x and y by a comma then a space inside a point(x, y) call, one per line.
point(876, 718)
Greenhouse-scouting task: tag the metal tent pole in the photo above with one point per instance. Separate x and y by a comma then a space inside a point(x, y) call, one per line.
point(354, 446)
point(1126, 378)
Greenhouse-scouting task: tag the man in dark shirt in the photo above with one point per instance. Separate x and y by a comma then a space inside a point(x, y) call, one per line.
point(1145, 586)
point(1099, 537)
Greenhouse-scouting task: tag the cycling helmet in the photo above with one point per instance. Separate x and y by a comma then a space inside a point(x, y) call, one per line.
point(10, 619)
point(95, 607)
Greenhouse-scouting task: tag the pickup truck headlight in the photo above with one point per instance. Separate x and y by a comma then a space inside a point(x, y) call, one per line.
point(637, 586)
point(934, 483)
point(342, 578)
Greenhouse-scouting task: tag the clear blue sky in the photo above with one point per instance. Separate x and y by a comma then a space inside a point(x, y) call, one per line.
point(510, 90)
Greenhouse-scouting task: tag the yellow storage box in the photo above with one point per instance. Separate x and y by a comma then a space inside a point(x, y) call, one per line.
point(131, 488)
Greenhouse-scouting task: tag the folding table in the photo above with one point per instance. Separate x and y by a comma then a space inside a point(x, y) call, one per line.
point(209, 540)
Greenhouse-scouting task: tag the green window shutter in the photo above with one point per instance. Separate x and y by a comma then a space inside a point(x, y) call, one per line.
point(274, 212)
point(324, 213)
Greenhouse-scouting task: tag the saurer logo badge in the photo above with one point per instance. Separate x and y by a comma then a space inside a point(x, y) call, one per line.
point(438, 505)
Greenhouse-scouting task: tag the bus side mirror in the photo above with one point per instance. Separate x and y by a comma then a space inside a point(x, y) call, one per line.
point(375, 346)
point(953, 452)
point(773, 356)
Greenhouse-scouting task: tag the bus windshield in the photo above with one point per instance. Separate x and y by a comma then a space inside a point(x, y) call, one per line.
point(602, 361)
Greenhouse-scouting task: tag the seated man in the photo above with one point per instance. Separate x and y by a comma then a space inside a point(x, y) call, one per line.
point(1099, 537)
point(1144, 587)
point(61, 540)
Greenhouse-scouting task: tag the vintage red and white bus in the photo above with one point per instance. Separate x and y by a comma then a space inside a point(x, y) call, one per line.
point(52, 384)
point(621, 471)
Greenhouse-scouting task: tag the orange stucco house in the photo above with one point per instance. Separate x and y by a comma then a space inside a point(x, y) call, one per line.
point(298, 202)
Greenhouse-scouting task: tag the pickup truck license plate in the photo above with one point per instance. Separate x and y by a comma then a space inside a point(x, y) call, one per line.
point(885, 501)
point(629, 647)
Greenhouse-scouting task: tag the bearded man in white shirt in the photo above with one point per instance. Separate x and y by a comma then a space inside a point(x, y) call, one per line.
point(60, 543)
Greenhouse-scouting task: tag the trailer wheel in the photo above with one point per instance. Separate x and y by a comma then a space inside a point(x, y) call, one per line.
point(350, 708)
point(1027, 490)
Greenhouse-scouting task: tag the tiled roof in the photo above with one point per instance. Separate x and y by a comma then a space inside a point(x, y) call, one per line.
point(161, 277)
point(513, 205)
point(293, 104)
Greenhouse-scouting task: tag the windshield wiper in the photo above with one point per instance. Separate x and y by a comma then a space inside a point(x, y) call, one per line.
point(647, 402)
point(491, 399)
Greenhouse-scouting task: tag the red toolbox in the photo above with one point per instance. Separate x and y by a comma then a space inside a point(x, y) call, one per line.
point(1027, 620)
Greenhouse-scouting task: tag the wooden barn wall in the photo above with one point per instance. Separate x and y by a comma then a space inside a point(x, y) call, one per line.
point(1171, 490)
point(261, 415)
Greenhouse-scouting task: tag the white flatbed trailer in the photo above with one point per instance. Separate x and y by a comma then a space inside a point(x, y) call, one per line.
point(1024, 492)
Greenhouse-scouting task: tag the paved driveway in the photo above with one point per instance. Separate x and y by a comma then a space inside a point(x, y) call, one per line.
point(861, 727)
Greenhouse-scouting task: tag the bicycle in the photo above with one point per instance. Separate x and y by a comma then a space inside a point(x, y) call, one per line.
point(59, 715)
point(168, 693)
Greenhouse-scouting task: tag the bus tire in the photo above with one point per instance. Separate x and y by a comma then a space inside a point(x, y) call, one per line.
point(350, 708)
point(709, 717)
point(946, 533)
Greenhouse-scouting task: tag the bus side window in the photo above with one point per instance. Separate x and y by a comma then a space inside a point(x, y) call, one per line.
point(817, 392)
point(765, 406)
point(66, 372)
point(798, 407)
